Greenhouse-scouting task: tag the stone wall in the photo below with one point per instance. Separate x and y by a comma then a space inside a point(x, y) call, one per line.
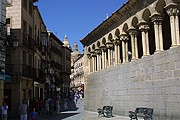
point(152, 81)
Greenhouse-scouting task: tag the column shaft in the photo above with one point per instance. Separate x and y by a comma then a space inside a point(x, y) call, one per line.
point(156, 35)
point(177, 29)
point(136, 47)
point(160, 37)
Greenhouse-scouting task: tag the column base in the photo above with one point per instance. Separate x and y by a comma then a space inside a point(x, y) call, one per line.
point(157, 51)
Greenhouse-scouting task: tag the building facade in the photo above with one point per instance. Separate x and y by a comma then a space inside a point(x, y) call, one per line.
point(19, 57)
point(78, 81)
point(66, 68)
point(36, 59)
point(149, 76)
point(2, 46)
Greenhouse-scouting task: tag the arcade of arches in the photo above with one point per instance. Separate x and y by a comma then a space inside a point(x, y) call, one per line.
point(150, 30)
point(132, 59)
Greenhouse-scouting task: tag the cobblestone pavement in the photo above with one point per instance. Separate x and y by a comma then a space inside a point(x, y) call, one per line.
point(77, 113)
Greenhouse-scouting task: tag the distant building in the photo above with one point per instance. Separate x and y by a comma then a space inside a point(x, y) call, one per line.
point(77, 79)
point(66, 70)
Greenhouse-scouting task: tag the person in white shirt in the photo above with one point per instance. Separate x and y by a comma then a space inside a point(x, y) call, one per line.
point(4, 109)
point(23, 111)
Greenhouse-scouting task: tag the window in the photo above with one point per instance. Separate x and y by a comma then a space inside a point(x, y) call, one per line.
point(24, 27)
point(8, 2)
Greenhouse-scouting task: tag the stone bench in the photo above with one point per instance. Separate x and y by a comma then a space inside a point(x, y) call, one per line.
point(146, 113)
point(106, 111)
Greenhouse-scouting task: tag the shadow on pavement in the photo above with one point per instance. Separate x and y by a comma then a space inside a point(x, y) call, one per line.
point(59, 116)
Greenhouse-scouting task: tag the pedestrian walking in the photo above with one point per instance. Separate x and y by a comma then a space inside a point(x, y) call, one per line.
point(23, 110)
point(4, 111)
point(47, 105)
point(33, 114)
point(58, 106)
point(76, 97)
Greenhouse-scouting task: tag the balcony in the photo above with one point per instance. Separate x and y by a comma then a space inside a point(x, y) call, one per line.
point(38, 76)
point(28, 42)
point(56, 50)
point(56, 65)
point(2, 31)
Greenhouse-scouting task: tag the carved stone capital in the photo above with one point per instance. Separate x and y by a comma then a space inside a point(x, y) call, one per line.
point(143, 26)
point(103, 48)
point(98, 51)
point(156, 18)
point(117, 42)
point(89, 55)
point(133, 31)
point(109, 45)
point(93, 54)
point(124, 37)
point(172, 9)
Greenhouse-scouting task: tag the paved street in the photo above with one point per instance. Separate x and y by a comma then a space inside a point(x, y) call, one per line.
point(77, 113)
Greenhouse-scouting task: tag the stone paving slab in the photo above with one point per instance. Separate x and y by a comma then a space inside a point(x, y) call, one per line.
point(94, 116)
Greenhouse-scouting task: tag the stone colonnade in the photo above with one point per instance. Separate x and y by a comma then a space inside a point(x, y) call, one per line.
point(115, 50)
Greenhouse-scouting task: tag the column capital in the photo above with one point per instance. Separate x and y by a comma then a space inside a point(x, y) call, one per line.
point(133, 31)
point(143, 26)
point(157, 18)
point(109, 45)
point(98, 51)
point(103, 48)
point(117, 41)
point(93, 53)
point(172, 9)
point(124, 37)
point(88, 55)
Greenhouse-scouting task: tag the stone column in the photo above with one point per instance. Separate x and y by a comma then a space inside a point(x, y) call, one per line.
point(103, 49)
point(89, 62)
point(117, 50)
point(93, 61)
point(145, 39)
point(124, 38)
point(109, 46)
point(157, 20)
point(173, 12)
point(98, 53)
point(133, 33)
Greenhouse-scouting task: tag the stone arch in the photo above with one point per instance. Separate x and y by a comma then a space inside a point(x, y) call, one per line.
point(98, 44)
point(93, 47)
point(104, 41)
point(117, 33)
point(160, 6)
point(110, 37)
point(89, 49)
point(125, 27)
point(146, 14)
point(134, 22)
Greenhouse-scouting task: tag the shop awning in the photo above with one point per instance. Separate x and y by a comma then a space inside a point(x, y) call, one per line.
point(4, 76)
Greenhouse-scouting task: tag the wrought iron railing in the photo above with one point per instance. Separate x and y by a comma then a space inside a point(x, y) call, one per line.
point(28, 41)
point(2, 31)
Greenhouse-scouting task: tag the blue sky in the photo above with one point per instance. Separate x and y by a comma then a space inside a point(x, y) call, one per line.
point(76, 18)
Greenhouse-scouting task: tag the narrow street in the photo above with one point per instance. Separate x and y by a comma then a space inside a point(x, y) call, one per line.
point(74, 113)
point(79, 113)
